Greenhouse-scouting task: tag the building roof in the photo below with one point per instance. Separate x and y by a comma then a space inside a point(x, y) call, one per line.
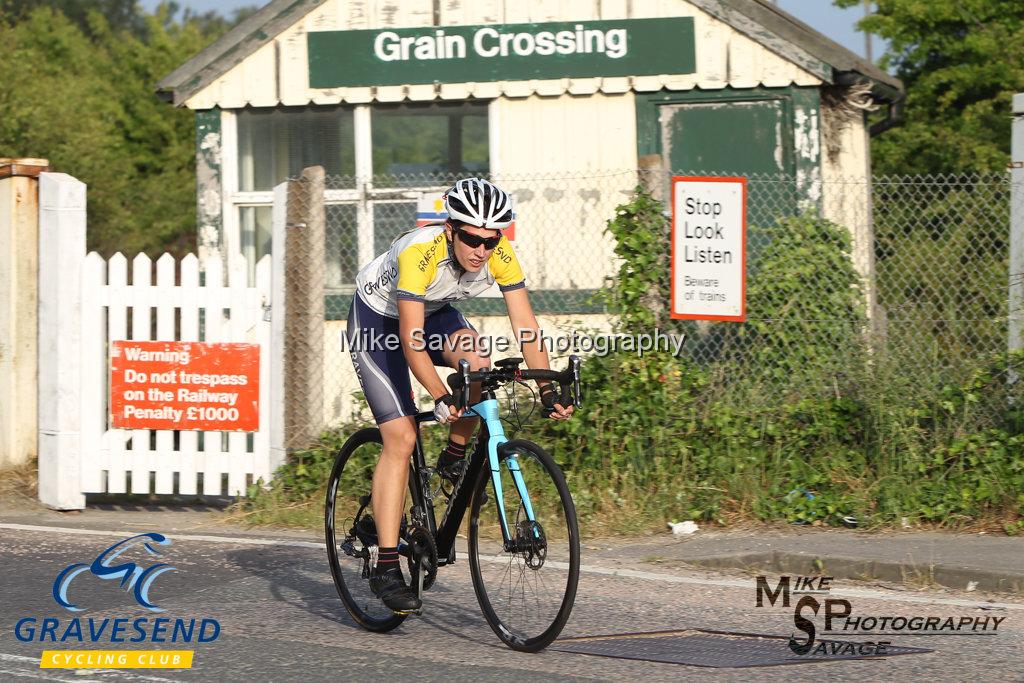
point(759, 20)
point(786, 33)
point(232, 48)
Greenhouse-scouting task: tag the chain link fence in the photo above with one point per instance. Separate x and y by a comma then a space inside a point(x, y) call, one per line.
point(942, 254)
point(927, 258)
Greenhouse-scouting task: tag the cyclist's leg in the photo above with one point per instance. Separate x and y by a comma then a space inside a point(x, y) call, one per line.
point(384, 376)
point(391, 477)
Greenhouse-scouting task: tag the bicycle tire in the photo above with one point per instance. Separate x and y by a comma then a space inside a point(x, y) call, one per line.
point(356, 598)
point(513, 635)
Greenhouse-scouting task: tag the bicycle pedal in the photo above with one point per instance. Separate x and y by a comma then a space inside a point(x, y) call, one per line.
point(407, 613)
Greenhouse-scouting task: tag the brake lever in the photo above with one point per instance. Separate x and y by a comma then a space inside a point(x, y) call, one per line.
point(464, 372)
point(565, 397)
point(574, 365)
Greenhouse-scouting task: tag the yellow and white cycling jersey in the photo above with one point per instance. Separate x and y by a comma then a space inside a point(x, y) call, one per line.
point(419, 266)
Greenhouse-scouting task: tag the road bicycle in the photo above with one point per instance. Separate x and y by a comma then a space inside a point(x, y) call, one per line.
point(523, 538)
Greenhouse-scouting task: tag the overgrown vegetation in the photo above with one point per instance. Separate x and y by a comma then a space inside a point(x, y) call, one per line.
point(799, 415)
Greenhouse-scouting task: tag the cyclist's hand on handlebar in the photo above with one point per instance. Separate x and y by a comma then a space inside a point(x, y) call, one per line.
point(549, 399)
point(561, 413)
point(445, 410)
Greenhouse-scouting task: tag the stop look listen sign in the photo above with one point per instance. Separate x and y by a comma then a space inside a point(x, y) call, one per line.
point(709, 240)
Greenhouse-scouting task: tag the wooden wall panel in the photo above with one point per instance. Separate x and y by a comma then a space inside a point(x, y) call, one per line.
point(724, 56)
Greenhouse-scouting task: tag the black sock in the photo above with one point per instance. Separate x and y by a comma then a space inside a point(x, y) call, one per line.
point(453, 451)
point(387, 558)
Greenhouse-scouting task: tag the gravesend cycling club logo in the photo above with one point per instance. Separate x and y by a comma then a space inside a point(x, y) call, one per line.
point(138, 579)
point(133, 565)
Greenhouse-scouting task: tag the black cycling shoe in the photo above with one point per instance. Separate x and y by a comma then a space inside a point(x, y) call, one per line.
point(389, 586)
point(450, 467)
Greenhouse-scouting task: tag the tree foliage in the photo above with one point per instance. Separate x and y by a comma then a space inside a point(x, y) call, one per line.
point(77, 88)
point(961, 63)
point(119, 14)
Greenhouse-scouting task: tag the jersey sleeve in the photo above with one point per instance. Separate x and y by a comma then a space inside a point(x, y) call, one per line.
point(505, 267)
point(417, 266)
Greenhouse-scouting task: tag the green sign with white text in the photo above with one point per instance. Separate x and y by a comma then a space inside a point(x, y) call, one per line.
point(501, 52)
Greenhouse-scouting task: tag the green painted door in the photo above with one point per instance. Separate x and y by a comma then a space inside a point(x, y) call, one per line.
point(726, 137)
point(748, 138)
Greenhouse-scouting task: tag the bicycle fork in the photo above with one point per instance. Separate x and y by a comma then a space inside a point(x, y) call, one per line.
point(488, 410)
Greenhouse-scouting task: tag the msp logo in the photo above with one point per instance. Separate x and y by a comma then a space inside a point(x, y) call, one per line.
point(138, 580)
point(136, 576)
point(814, 592)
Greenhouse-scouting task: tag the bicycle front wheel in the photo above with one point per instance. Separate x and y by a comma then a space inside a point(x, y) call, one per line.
point(526, 588)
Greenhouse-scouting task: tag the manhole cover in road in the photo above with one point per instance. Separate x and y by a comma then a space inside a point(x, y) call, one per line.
point(717, 649)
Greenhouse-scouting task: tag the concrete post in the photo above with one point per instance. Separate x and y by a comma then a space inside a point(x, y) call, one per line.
point(278, 316)
point(863, 234)
point(61, 396)
point(19, 264)
point(304, 309)
point(652, 176)
point(1016, 322)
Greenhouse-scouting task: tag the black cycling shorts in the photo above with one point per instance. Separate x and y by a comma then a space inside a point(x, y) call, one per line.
point(378, 359)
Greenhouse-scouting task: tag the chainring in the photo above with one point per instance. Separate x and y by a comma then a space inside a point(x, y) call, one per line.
point(422, 548)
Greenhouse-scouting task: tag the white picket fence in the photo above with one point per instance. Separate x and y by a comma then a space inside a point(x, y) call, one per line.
point(87, 303)
point(169, 462)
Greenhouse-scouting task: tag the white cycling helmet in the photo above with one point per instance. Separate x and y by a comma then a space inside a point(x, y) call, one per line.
point(478, 202)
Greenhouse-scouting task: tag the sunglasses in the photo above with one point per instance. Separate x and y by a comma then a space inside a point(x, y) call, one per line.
point(473, 241)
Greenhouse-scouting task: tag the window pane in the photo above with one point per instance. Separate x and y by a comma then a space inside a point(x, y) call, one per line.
point(430, 140)
point(275, 144)
point(255, 225)
point(340, 246)
point(341, 249)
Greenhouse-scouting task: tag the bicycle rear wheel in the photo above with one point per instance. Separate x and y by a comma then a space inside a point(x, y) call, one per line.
point(348, 502)
point(526, 592)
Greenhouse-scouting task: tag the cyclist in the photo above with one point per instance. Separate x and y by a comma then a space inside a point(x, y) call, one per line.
point(406, 292)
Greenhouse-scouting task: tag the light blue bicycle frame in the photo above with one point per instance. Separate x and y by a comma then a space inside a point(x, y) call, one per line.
point(488, 410)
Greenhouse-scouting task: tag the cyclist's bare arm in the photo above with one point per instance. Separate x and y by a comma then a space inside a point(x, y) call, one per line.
point(410, 321)
point(524, 322)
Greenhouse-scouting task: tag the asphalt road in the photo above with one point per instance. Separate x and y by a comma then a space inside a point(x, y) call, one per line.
point(281, 620)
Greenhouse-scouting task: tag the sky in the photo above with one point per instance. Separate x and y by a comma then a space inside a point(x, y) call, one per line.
point(835, 23)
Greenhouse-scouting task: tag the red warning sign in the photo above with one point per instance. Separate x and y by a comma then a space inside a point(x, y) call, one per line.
point(185, 386)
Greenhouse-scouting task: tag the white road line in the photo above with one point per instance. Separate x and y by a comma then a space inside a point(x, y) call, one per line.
point(588, 569)
point(38, 673)
point(49, 675)
point(18, 658)
point(181, 537)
